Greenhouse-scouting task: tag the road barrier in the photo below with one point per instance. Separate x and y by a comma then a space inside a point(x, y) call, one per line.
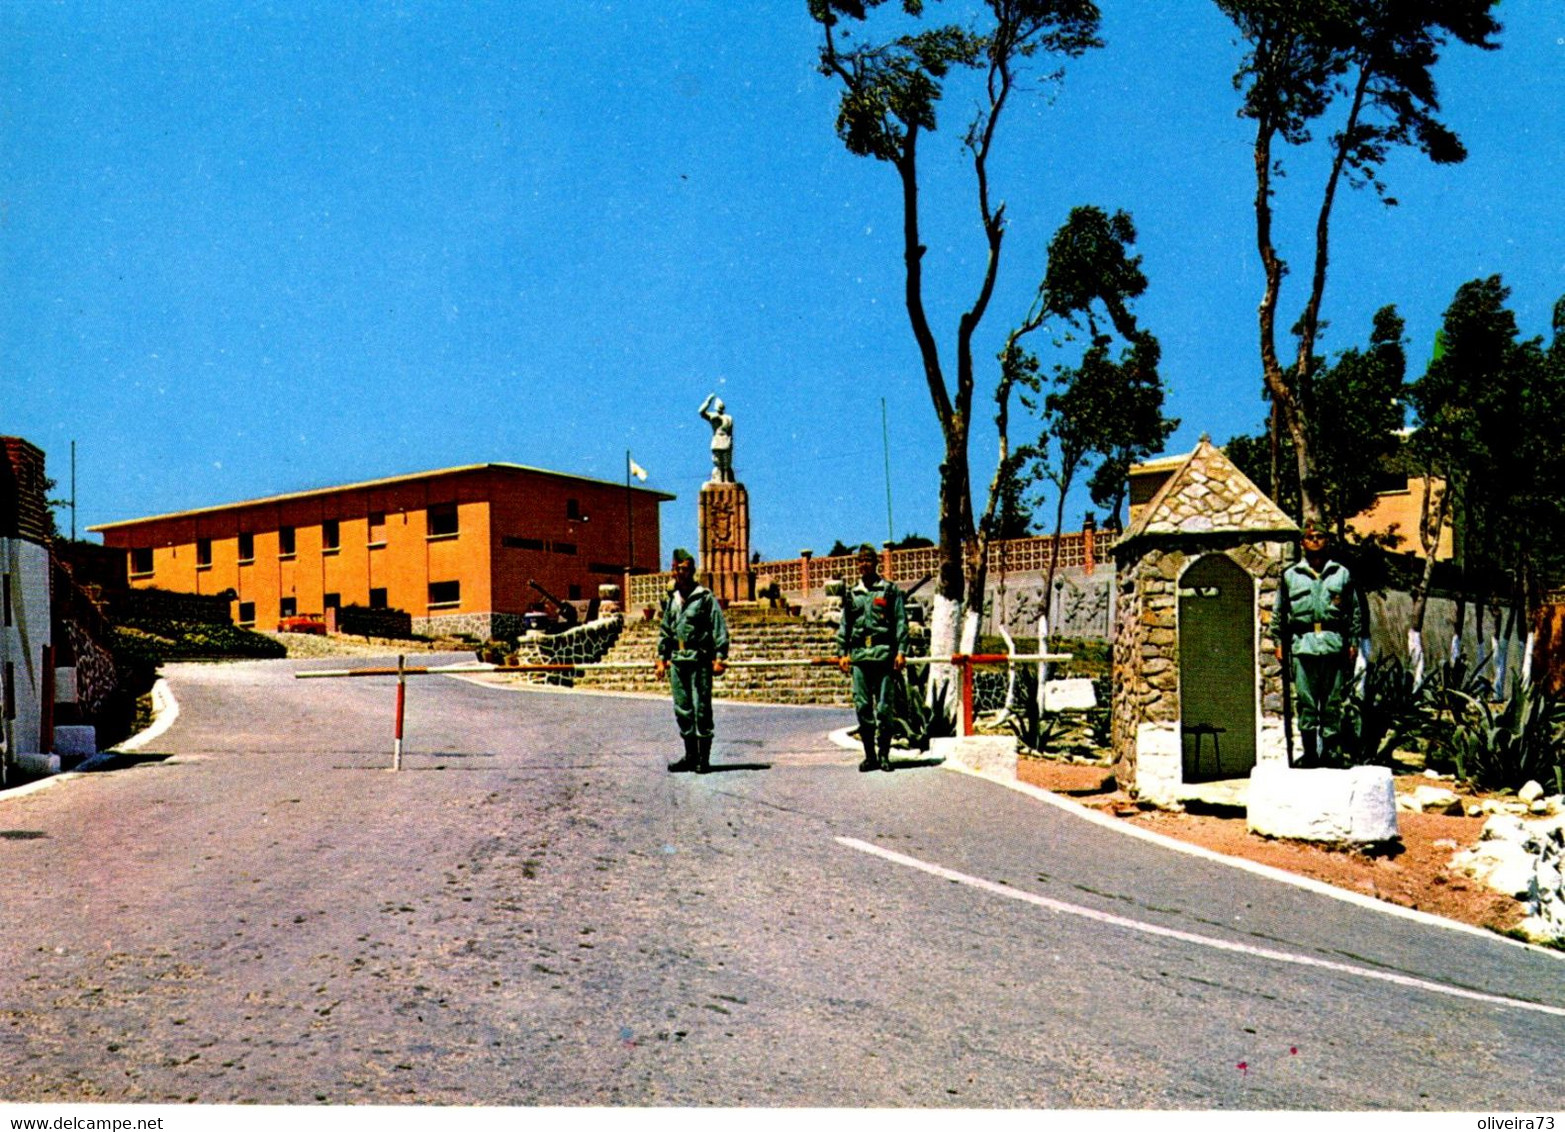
point(963, 662)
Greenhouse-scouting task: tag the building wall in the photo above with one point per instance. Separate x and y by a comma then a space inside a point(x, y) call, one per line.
point(1400, 512)
point(398, 554)
point(534, 537)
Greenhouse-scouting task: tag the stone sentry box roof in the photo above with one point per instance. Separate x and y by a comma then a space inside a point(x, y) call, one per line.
point(1202, 495)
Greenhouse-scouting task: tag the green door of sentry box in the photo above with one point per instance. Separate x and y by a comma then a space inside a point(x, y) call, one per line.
point(1217, 669)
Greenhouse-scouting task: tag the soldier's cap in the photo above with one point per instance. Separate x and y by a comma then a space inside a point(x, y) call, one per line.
point(865, 550)
point(683, 555)
point(1315, 530)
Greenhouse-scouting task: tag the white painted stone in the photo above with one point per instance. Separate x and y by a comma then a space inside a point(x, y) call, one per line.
point(987, 754)
point(31, 762)
point(1356, 805)
point(76, 739)
point(1273, 745)
point(1430, 799)
point(1069, 695)
point(65, 685)
point(1530, 793)
point(1159, 763)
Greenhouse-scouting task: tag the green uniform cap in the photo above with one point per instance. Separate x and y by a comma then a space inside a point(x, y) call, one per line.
point(683, 555)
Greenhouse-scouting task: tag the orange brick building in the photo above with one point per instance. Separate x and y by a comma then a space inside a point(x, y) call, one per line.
point(455, 548)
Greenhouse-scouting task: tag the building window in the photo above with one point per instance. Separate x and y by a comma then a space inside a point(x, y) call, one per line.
point(377, 528)
point(287, 607)
point(442, 521)
point(140, 561)
point(606, 568)
point(203, 554)
point(378, 598)
point(516, 542)
point(247, 613)
point(331, 535)
point(246, 547)
point(331, 601)
point(285, 542)
point(445, 595)
point(565, 548)
point(573, 509)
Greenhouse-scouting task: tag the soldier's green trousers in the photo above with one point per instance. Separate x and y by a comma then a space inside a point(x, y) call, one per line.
point(875, 694)
point(1320, 685)
point(691, 683)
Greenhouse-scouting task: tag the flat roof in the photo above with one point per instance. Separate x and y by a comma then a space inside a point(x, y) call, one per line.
point(388, 481)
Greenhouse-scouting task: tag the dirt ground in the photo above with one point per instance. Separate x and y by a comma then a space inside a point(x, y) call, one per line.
point(1416, 875)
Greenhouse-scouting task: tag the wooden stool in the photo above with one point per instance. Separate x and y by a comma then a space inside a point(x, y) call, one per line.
point(1200, 730)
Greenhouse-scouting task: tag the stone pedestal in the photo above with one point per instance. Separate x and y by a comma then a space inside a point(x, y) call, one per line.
point(1352, 806)
point(725, 541)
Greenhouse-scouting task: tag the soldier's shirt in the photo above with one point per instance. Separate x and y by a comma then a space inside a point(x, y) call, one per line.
point(693, 627)
point(874, 622)
point(1318, 613)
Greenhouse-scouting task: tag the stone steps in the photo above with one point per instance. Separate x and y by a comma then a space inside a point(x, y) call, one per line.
point(766, 637)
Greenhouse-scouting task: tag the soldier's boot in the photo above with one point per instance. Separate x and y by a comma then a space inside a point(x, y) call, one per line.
point(692, 757)
point(1311, 757)
point(883, 749)
point(867, 737)
point(704, 755)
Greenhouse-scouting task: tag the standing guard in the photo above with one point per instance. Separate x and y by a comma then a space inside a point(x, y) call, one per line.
point(692, 648)
point(872, 645)
point(1317, 621)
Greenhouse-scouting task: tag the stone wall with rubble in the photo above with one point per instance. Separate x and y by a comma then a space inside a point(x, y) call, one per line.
point(1146, 709)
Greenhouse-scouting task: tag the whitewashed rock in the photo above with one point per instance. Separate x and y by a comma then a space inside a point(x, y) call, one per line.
point(31, 762)
point(1531, 792)
point(1069, 695)
point(75, 739)
point(1356, 805)
point(1539, 807)
point(1430, 799)
point(1503, 866)
point(987, 754)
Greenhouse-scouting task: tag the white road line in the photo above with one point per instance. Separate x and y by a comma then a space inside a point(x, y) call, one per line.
point(1190, 937)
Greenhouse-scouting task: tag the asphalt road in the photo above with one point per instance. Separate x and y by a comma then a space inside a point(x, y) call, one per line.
point(534, 912)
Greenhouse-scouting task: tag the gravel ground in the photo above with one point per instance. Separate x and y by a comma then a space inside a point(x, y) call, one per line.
point(310, 645)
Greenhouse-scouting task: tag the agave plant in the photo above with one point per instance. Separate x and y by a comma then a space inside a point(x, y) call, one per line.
point(1382, 714)
point(1505, 747)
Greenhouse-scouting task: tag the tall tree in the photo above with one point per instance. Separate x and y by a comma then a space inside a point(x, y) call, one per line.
point(1357, 413)
point(1488, 411)
point(890, 92)
point(1374, 59)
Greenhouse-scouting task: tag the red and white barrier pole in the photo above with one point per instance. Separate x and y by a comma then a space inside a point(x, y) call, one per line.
point(402, 699)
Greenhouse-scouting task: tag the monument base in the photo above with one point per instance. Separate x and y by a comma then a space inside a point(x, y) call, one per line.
point(725, 541)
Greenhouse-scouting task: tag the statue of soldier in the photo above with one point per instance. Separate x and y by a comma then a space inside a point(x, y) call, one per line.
point(692, 648)
point(872, 645)
point(1318, 621)
point(713, 413)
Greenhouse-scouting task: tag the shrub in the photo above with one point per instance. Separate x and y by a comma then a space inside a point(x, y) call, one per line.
point(1505, 748)
point(1385, 714)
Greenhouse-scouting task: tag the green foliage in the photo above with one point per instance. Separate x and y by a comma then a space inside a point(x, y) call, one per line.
point(1356, 413)
point(919, 722)
point(1385, 716)
point(1107, 406)
point(1505, 747)
point(152, 642)
point(1488, 409)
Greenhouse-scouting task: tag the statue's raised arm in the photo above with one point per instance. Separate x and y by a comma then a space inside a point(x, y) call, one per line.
point(713, 412)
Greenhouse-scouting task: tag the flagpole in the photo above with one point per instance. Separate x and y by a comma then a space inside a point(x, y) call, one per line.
point(630, 524)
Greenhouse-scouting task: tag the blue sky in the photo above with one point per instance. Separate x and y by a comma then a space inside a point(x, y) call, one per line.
point(261, 247)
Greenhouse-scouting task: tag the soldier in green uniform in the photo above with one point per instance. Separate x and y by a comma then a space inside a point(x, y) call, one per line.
point(872, 644)
point(1318, 620)
point(692, 648)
